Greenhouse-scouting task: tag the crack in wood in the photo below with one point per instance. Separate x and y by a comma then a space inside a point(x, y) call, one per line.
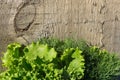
point(102, 33)
point(25, 39)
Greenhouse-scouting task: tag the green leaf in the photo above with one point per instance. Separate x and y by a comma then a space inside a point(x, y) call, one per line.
point(67, 54)
point(12, 52)
point(40, 50)
point(74, 63)
point(76, 66)
point(77, 54)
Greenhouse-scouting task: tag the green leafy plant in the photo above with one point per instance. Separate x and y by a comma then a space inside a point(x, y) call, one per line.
point(39, 61)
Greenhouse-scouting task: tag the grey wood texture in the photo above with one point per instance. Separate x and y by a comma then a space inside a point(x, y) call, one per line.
point(96, 21)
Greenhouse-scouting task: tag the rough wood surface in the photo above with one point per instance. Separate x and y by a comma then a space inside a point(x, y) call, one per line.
point(96, 21)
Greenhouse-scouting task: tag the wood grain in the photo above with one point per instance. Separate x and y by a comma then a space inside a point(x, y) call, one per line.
point(96, 21)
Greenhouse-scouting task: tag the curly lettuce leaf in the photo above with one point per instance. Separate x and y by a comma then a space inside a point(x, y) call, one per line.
point(74, 63)
point(40, 50)
point(11, 54)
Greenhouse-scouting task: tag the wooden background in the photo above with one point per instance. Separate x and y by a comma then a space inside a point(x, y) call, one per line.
point(97, 21)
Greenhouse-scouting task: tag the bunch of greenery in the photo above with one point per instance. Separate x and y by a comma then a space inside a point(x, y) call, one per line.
point(54, 59)
point(39, 62)
point(101, 65)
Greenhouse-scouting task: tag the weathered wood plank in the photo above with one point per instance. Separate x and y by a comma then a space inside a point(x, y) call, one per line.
point(96, 21)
